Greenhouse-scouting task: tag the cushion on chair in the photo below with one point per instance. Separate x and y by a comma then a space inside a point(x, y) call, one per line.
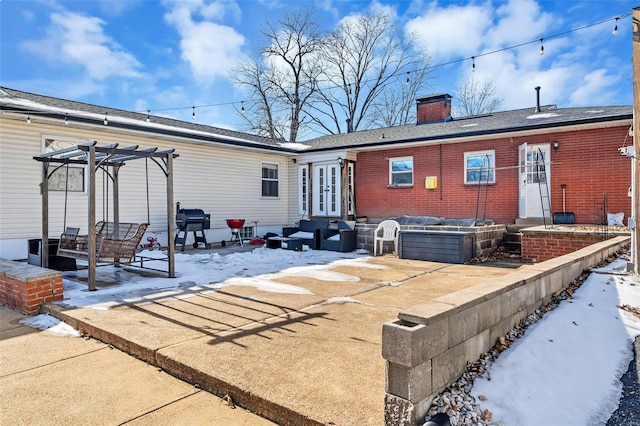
point(302, 235)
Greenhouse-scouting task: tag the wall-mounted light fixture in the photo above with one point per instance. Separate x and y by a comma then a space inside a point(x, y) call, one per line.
point(295, 160)
point(340, 161)
point(555, 146)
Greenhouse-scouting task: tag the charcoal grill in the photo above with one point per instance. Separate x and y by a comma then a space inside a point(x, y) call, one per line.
point(192, 220)
point(236, 226)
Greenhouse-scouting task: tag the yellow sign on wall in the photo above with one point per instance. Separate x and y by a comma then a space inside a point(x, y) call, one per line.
point(431, 182)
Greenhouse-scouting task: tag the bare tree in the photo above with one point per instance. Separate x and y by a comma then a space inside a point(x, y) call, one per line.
point(283, 78)
point(396, 106)
point(366, 61)
point(475, 96)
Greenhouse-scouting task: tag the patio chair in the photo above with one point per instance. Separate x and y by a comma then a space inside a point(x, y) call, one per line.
point(387, 231)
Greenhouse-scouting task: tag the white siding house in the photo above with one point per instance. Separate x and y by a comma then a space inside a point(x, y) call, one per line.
point(218, 171)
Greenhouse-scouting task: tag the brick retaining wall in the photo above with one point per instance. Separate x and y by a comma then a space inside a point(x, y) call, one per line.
point(24, 287)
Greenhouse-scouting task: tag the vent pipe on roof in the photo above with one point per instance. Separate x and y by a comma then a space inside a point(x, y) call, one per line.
point(538, 99)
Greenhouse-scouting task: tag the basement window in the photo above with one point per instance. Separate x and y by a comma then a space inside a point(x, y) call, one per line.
point(479, 167)
point(401, 171)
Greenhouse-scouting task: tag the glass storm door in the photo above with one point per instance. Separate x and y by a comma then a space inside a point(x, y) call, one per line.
point(533, 160)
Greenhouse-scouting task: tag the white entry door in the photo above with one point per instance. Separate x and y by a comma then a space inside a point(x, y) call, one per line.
point(326, 190)
point(533, 160)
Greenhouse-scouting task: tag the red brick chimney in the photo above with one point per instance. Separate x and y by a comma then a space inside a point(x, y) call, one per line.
point(434, 108)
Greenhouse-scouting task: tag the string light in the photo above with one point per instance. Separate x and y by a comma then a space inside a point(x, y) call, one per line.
point(193, 114)
point(407, 82)
point(615, 29)
point(541, 46)
point(106, 121)
point(473, 64)
point(148, 117)
point(28, 118)
point(66, 118)
point(242, 110)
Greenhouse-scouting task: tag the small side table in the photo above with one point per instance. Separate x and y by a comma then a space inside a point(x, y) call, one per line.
point(284, 243)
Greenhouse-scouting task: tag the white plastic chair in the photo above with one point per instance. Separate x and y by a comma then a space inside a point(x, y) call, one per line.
point(389, 229)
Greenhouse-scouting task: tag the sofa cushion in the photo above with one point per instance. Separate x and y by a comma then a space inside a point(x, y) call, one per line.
point(302, 235)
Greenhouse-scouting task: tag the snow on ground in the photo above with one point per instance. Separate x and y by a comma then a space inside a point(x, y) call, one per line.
point(260, 267)
point(50, 325)
point(566, 369)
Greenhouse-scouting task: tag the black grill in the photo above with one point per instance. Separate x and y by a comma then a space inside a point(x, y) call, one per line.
point(192, 220)
point(187, 217)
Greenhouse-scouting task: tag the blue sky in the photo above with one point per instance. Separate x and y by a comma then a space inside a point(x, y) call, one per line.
point(141, 55)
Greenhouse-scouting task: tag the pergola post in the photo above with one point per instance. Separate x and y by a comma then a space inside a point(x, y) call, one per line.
point(170, 218)
point(91, 222)
point(44, 190)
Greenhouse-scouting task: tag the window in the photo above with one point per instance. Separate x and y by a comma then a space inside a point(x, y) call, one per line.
point(401, 171)
point(303, 189)
point(480, 167)
point(270, 181)
point(69, 178)
point(535, 164)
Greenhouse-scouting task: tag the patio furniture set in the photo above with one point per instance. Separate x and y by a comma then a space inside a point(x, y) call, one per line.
point(317, 235)
point(341, 236)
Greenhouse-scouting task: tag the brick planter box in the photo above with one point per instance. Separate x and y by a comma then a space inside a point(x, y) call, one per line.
point(25, 287)
point(540, 243)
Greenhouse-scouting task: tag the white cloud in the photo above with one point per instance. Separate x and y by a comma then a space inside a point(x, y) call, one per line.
point(75, 39)
point(576, 69)
point(452, 31)
point(211, 49)
point(594, 89)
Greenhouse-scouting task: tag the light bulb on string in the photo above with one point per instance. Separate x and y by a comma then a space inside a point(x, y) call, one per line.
point(66, 118)
point(148, 117)
point(28, 118)
point(193, 114)
point(541, 46)
point(106, 120)
point(242, 110)
point(473, 64)
point(407, 82)
point(615, 29)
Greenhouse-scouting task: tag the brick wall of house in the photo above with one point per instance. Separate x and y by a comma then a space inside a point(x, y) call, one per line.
point(588, 162)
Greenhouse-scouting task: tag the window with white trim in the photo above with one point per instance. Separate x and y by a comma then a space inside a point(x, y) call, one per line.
point(303, 189)
point(401, 171)
point(480, 167)
point(270, 180)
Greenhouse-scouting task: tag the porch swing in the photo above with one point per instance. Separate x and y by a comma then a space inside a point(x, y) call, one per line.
point(116, 242)
point(106, 241)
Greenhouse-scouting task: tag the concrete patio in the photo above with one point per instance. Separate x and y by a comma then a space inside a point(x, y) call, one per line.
point(291, 358)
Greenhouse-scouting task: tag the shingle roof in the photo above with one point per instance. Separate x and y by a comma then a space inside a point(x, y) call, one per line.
point(490, 124)
point(16, 100)
point(495, 123)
